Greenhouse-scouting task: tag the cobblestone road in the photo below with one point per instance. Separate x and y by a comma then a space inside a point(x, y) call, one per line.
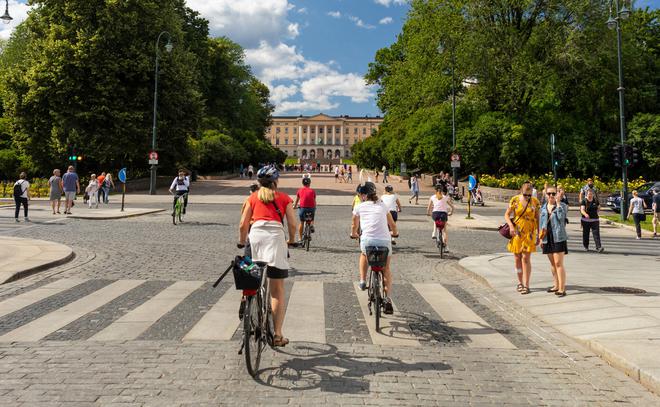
point(159, 368)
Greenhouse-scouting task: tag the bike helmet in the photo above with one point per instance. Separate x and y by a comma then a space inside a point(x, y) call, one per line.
point(268, 173)
point(389, 188)
point(307, 181)
point(369, 188)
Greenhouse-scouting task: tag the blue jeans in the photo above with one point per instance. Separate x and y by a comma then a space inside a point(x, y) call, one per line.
point(303, 211)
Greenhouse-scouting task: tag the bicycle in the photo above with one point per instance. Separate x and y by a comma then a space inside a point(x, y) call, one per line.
point(178, 208)
point(377, 259)
point(439, 241)
point(307, 231)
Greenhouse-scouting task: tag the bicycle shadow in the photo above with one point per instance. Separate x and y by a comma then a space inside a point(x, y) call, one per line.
point(325, 367)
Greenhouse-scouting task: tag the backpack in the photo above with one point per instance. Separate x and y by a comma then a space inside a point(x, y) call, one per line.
point(18, 189)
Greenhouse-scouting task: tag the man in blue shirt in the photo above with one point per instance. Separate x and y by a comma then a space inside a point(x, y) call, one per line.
point(71, 188)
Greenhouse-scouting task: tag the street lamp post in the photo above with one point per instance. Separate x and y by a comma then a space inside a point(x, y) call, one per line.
point(6, 18)
point(615, 23)
point(441, 49)
point(168, 48)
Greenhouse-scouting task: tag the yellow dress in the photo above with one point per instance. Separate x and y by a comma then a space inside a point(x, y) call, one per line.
point(526, 225)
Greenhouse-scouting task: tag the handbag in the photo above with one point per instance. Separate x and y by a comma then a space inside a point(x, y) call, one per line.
point(504, 228)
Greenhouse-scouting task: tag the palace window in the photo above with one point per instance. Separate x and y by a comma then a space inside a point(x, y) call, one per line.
point(277, 141)
point(355, 130)
point(320, 130)
point(277, 130)
point(295, 130)
point(295, 140)
point(304, 130)
point(364, 130)
point(286, 141)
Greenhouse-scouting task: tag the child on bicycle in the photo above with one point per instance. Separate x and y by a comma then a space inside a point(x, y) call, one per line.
point(180, 186)
point(438, 209)
point(305, 203)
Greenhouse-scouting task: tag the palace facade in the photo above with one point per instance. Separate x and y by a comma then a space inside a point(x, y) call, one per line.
point(320, 137)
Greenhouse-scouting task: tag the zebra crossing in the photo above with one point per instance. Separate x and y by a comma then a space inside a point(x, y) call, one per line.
point(126, 310)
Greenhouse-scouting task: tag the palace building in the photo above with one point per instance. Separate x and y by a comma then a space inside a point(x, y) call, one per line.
point(320, 137)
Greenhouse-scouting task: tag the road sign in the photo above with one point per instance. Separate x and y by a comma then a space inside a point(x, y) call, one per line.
point(472, 182)
point(153, 162)
point(122, 175)
point(403, 168)
point(455, 157)
point(153, 155)
point(455, 164)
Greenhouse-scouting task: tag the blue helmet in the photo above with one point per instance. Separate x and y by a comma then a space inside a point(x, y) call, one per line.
point(268, 173)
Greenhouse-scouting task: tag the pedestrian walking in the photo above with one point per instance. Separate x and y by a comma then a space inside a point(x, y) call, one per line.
point(350, 174)
point(636, 209)
point(250, 171)
point(589, 208)
point(414, 188)
point(108, 185)
point(100, 197)
point(554, 238)
point(71, 186)
point(522, 216)
point(377, 173)
point(656, 211)
point(21, 196)
point(336, 174)
point(587, 187)
point(55, 190)
point(386, 174)
point(92, 192)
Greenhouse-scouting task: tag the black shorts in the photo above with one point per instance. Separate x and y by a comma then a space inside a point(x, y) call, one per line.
point(395, 215)
point(439, 216)
point(275, 273)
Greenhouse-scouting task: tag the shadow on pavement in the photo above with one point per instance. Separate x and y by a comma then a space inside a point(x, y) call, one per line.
point(581, 289)
point(324, 367)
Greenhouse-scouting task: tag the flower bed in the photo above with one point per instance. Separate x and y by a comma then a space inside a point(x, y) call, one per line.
point(570, 184)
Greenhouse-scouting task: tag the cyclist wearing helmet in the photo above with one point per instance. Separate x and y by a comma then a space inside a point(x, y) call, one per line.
point(440, 204)
point(265, 210)
point(180, 186)
point(306, 197)
point(373, 217)
point(392, 202)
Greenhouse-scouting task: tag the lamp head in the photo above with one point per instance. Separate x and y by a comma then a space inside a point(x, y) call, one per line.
point(611, 23)
point(6, 18)
point(169, 46)
point(624, 12)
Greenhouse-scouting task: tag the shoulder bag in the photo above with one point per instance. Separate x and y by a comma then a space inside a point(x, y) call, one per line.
point(504, 228)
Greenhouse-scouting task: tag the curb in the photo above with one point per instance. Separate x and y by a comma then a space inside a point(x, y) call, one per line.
point(641, 376)
point(28, 272)
point(631, 228)
point(128, 215)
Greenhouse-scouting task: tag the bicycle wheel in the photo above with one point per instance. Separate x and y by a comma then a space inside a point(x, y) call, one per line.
point(180, 212)
point(378, 300)
point(252, 336)
point(307, 236)
point(177, 208)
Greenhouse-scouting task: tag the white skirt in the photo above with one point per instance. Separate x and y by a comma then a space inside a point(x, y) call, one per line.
point(268, 244)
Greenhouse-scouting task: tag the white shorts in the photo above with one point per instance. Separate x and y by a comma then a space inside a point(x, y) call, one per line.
point(70, 195)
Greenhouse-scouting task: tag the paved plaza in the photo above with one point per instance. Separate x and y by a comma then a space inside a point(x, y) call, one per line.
point(132, 319)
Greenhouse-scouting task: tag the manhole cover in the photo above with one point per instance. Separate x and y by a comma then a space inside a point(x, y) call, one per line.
point(623, 290)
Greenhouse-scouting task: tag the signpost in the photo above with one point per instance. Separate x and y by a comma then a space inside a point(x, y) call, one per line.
point(472, 184)
point(122, 179)
point(455, 161)
point(403, 170)
point(153, 158)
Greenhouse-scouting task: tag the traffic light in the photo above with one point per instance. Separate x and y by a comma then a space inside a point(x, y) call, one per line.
point(634, 157)
point(559, 157)
point(80, 158)
point(627, 155)
point(73, 157)
point(616, 155)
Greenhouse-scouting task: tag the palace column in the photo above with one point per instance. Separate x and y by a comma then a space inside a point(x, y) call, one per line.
point(333, 135)
point(308, 133)
point(300, 133)
point(325, 135)
point(316, 134)
point(341, 134)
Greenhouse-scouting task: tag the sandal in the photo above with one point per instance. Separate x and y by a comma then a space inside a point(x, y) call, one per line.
point(551, 290)
point(280, 341)
point(525, 290)
point(519, 287)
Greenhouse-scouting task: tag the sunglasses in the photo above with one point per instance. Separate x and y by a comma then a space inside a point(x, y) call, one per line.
point(551, 193)
point(527, 195)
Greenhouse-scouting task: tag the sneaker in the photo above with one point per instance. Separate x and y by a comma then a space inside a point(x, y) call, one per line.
point(638, 238)
point(27, 219)
point(586, 249)
point(600, 250)
point(17, 220)
point(362, 285)
point(387, 305)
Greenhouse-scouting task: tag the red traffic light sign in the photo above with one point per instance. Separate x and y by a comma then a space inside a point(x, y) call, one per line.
point(153, 155)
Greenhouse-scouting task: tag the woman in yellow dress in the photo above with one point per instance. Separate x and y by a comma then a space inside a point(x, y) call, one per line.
point(525, 210)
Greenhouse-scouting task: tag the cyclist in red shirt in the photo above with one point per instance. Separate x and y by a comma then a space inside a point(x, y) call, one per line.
point(306, 203)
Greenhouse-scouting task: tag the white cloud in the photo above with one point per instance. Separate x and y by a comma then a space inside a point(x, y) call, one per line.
point(386, 20)
point(308, 85)
point(302, 10)
point(247, 21)
point(387, 3)
point(358, 22)
point(334, 14)
point(18, 11)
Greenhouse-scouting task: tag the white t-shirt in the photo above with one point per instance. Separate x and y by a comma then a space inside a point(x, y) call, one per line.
point(440, 205)
point(180, 186)
point(93, 186)
point(637, 205)
point(373, 220)
point(390, 201)
point(25, 185)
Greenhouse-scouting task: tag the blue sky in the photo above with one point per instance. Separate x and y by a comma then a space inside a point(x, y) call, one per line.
point(312, 54)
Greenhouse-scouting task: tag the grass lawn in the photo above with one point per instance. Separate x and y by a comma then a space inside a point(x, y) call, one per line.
point(646, 225)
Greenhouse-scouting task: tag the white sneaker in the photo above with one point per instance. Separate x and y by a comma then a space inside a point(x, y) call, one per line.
point(27, 219)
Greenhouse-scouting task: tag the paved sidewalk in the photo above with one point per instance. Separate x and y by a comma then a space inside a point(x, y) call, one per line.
point(21, 257)
point(624, 329)
point(104, 213)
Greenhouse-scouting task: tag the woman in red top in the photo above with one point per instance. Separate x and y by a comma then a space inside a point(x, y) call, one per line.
point(265, 209)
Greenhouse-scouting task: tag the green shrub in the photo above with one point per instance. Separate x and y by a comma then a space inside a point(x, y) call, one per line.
point(570, 184)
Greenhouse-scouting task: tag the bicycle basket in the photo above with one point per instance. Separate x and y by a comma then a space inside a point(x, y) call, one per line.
point(247, 275)
point(377, 256)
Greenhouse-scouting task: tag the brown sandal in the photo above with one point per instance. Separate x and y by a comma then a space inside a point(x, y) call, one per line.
point(280, 341)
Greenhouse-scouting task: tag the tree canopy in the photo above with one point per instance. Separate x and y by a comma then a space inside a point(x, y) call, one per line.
point(81, 74)
point(523, 70)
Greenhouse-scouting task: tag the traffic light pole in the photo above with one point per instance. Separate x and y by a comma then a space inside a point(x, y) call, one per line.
point(622, 125)
point(552, 158)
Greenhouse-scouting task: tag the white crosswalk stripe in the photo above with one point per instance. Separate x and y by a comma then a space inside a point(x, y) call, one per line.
point(55, 320)
point(131, 325)
point(305, 316)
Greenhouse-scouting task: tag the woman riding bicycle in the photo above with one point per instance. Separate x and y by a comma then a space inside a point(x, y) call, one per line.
point(265, 209)
point(373, 217)
point(440, 204)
